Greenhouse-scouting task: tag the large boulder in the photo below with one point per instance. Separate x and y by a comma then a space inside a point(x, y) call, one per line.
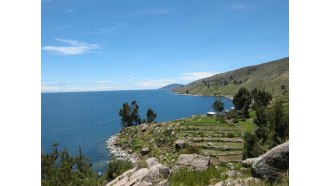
point(247, 162)
point(155, 174)
point(194, 161)
point(273, 163)
point(152, 162)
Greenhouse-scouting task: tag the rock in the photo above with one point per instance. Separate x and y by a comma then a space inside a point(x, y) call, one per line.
point(157, 173)
point(215, 161)
point(233, 173)
point(130, 151)
point(143, 183)
point(145, 151)
point(247, 162)
point(179, 144)
point(122, 176)
point(138, 175)
point(244, 169)
point(251, 181)
point(272, 163)
point(164, 183)
point(144, 127)
point(230, 166)
point(198, 162)
point(121, 182)
point(152, 162)
point(175, 169)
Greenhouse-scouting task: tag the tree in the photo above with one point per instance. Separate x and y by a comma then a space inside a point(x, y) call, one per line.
point(61, 168)
point(252, 148)
point(218, 106)
point(242, 101)
point(260, 98)
point(129, 114)
point(151, 115)
point(280, 124)
point(261, 120)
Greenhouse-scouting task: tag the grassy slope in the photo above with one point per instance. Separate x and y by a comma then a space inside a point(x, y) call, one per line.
point(220, 139)
point(269, 76)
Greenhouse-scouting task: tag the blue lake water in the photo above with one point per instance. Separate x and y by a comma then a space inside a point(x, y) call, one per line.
point(88, 119)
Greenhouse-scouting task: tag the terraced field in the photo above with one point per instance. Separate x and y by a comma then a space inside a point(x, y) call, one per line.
point(215, 139)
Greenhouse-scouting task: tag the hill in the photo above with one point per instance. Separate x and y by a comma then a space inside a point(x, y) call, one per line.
point(171, 86)
point(272, 76)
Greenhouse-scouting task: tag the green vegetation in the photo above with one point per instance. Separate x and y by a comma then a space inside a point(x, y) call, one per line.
point(61, 168)
point(218, 106)
point(151, 115)
point(272, 77)
point(242, 101)
point(117, 167)
point(130, 115)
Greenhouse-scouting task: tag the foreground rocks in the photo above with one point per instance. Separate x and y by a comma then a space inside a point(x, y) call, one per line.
point(272, 164)
point(239, 182)
point(155, 174)
point(194, 161)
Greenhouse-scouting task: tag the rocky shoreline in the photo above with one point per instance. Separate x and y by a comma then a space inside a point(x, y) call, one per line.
point(118, 152)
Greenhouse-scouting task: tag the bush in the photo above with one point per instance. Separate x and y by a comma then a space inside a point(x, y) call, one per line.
point(252, 148)
point(235, 120)
point(117, 167)
point(230, 135)
point(193, 178)
point(191, 149)
point(61, 168)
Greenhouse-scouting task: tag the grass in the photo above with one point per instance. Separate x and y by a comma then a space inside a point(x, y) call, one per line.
point(183, 177)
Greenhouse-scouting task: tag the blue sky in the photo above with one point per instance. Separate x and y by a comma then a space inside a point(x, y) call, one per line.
point(95, 45)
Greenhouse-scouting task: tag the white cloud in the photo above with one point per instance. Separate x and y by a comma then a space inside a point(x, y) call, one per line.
point(73, 47)
point(50, 86)
point(154, 83)
point(192, 76)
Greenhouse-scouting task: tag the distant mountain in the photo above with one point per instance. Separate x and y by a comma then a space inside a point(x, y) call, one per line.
point(271, 76)
point(171, 87)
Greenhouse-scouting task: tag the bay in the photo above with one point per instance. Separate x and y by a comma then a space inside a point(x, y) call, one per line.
point(88, 119)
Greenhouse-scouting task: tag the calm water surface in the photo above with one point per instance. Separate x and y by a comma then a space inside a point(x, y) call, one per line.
point(88, 119)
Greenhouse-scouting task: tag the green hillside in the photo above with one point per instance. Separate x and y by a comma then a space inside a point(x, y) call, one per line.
point(272, 76)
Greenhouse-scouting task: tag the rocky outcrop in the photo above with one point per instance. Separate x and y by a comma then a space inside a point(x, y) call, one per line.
point(239, 182)
point(145, 151)
point(144, 127)
point(118, 152)
point(194, 161)
point(272, 164)
point(155, 174)
point(247, 162)
point(179, 144)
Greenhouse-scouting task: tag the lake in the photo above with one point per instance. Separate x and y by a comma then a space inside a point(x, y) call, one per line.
point(88, 119)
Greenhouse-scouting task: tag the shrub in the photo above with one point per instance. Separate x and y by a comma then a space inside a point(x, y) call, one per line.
point(117, 167)
point(230, 135)
point(235, 120)
point(191, 149)
point(252, 148)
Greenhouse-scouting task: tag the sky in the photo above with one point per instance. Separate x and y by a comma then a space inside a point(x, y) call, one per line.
point(99, 45)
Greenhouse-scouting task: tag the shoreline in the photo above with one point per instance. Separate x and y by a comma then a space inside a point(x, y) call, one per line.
point(226, 96)
point(118, 152)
